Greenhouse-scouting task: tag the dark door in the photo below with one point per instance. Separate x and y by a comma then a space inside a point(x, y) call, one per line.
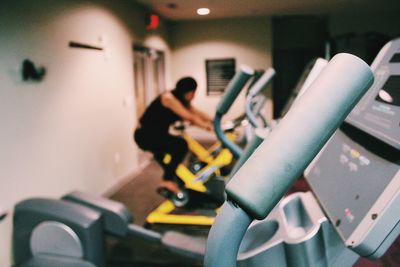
point(296, 41)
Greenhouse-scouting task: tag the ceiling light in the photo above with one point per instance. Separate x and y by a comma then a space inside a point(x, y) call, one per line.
point(203, 11)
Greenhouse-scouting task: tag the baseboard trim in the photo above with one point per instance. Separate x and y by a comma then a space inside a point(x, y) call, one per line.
point(126, 179)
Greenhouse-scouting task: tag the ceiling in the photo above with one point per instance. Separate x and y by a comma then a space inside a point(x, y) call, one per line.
point(186, 9)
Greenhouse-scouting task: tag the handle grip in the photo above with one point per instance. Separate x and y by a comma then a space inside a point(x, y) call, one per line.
point(262, 82)
point(233, 89)
point(259, 185)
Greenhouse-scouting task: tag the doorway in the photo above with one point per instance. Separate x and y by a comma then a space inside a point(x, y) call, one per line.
point(149, 81)
point(296, 41)
point(149, 75)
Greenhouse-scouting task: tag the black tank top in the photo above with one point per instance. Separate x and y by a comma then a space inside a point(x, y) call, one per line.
point(157, 118)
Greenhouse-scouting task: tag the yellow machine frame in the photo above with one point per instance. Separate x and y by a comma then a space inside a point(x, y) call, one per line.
point(203, 154)
point(163, 213)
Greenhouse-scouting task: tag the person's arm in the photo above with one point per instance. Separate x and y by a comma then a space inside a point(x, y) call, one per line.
point(200, 113)
point(168, 100)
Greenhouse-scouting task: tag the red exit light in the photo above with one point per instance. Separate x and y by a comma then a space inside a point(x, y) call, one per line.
point(153, 22)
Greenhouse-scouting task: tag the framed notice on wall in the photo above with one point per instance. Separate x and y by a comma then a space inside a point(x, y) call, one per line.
point(219, 73)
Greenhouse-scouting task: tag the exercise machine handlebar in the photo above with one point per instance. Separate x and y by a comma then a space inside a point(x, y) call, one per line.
point(232, 91)
point(259, 86)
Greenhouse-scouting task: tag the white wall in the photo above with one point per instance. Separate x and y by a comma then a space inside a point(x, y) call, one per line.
point(73, 130)
point(248, 40)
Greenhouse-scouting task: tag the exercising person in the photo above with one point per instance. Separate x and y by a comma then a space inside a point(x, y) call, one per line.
point(152, 132)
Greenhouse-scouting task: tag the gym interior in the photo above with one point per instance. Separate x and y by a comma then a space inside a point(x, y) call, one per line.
point(77, 75)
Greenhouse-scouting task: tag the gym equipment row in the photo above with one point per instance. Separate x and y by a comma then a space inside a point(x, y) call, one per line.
point(72, 231)
point(353, 171)
point(78, 232)
point(351, 211)
point(65, 221)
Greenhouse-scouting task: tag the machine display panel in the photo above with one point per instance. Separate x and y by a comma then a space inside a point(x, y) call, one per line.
point(356, 177)
point(390, 92)
point(378, 112)
point(355, 181)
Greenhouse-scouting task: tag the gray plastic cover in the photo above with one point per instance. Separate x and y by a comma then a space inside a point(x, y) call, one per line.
point(115, 215)
point(378, 112)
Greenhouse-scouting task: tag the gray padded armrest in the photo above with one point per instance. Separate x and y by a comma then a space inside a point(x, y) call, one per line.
point(116, 216)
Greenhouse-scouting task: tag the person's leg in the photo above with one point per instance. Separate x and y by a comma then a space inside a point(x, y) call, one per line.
point(177, 148)
point(168, 179)
point(160, 146)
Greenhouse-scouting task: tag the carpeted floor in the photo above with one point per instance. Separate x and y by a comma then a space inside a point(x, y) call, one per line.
point(140, 196)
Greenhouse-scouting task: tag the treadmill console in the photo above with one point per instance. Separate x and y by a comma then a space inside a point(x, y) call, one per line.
point(378, 113)
point(356, 177)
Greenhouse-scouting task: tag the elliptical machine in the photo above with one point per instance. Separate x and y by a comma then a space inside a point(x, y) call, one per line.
point(72, 232)
point(354, 218)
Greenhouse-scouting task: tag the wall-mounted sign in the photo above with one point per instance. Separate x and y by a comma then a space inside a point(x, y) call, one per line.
point(219, 73)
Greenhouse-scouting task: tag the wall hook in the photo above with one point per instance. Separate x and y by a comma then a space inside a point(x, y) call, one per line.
point(31, 72)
